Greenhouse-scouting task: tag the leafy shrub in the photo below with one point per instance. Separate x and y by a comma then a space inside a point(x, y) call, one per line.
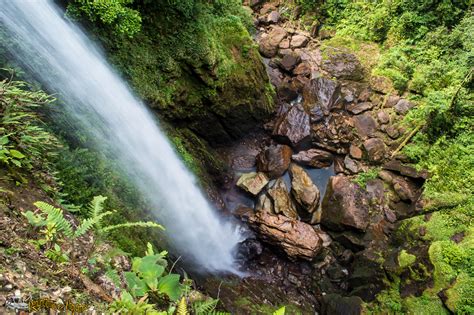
point(24, 141)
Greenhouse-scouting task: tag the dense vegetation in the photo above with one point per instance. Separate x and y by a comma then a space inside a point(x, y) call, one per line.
point(426, 49)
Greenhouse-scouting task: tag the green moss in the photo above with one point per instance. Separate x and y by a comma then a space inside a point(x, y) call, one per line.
point(460, 297)
point(425, 304)
point(405, 259)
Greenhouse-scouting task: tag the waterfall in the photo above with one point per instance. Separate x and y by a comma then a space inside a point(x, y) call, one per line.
point(69, 64)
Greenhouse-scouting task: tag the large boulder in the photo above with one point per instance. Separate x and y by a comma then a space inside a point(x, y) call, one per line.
point(274, 160)
point(297, 239)
point(344, 66)
point(335, 304)
point(289, 61)
point(252, 182)
point(314, 158)
point(299, 40)
point(282, 203)
point(269, 44)
point(264, 204)
point(294, 126)
point(365, 125)
point(303, 190)
point(375, 149)
point(345, 205)
point(322, 95)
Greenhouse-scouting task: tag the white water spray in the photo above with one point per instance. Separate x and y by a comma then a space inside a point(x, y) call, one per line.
point(68, 63)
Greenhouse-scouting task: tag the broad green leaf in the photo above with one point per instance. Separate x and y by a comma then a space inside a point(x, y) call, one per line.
point(170, 286)
point(17, 154)
point(136, 286)
point(16, 162)
point(280, 311)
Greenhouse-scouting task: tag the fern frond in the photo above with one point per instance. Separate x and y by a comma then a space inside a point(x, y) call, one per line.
point(205, 307)
point(87, 224)
point(182, 307)
point(131, 224)
point(95, 207)
point(56, 217)
point(113, 276)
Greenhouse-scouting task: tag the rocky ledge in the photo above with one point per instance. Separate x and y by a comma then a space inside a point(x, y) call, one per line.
point(330, 114)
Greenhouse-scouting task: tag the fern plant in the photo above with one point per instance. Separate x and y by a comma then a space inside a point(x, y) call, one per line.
point(54, 223)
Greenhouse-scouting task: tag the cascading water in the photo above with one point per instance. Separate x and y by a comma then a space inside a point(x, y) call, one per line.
point(61, 55)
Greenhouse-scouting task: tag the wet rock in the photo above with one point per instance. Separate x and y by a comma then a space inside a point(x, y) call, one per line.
point(253, 182)
point(297, 239)
point(282, 203)
point(314, 157)
point(403, 106)
point(289, 61)
point(274, 160)
point(249, 249)
point(294, 126)
point(352, 166)
point(365, 125)
point(343, 66)
point(383, 117)
point(359, 107)
point(335, 134)
point(375, 149)
point(254, 3)
point(335, 304)
point(344, 205)
point(243, 213)
point(323, 94)
point(273, 17)
point(355, 152)
point(368, 275)
point(303, 190)
point(269, 44)
point(264, 204)
point(339, 164)
point(298, 41)
point(390, 215)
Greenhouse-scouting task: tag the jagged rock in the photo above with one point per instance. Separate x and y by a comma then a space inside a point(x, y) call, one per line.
point(335, 134)
point(344, 205)
point(403, 106)
point(284, 52)
point(383, 117)
point(314, 157)
point(351, 165)
point(302, 69)
point(297, 239)
point(273, 17)
point(392, 101)
point(339, 164)
point(269, 45)
point(254, 3)
point(284, 44)
point(294, 126)
point(365, 125)
point(355, 152)
point(359, 107)
point(343, 66)
point(392, 131)
point(264, 203)
point(249, 249)
point(303, 190)
point(406, 170)
point(274, 160)
point(375, 149)
point(289, 61)
point(282, 203)
point(404, 189)
point(252, 182)
point(323, 95)
point(298, 41)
